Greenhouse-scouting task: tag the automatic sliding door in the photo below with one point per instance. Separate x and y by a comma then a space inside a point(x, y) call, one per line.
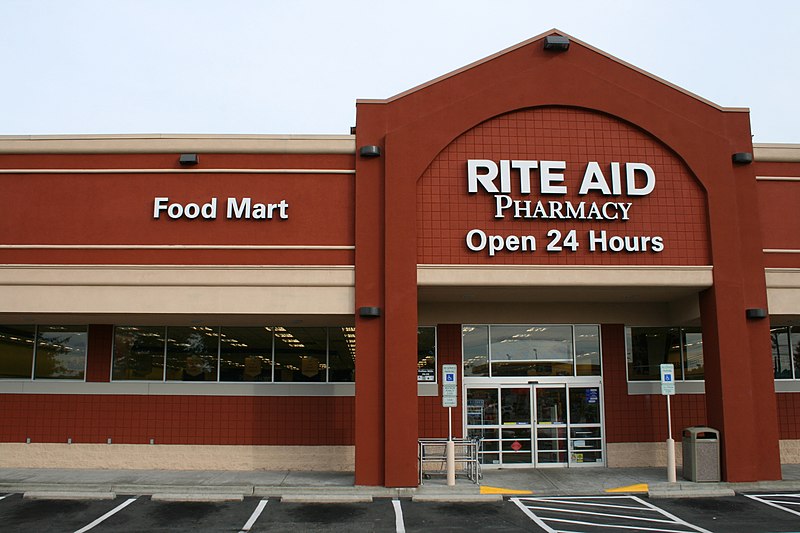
point(551, 425)
point(585, 426)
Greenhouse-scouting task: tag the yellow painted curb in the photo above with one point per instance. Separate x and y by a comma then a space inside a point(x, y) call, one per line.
point(640, 487)
point(500, 490)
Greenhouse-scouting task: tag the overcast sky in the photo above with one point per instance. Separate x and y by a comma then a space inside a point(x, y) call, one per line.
point(247, 66)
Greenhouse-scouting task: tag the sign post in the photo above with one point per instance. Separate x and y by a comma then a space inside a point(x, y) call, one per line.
point(668, 389)
point(450, 400)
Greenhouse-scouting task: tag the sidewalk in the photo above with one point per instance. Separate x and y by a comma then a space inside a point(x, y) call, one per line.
point(338, 486)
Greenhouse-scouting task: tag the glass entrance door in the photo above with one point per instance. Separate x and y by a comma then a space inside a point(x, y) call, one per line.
point(543, 425)
point(550, 424)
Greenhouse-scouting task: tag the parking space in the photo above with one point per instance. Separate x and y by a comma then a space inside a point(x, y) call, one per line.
point(785, 502)
point(601, 513)
point(580, 514)
point(18, 515)
point(734, 513)
point(502, 516)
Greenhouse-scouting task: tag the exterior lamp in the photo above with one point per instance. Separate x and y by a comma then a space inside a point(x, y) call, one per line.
point(188, 160)
point(556, 43)
point(369, 312)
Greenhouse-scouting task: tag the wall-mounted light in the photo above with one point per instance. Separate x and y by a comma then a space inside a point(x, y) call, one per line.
point(188, 160)
point(556, 43)
point(755, 313)
point(369, 312)
point(742, 158)
point(369, 151)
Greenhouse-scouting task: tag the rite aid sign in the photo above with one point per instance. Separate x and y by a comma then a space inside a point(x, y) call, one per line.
point(546, 181)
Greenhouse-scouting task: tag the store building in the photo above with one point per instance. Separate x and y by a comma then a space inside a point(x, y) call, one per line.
point(552, 220)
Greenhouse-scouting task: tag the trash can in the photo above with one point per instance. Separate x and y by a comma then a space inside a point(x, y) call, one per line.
point(701, 454)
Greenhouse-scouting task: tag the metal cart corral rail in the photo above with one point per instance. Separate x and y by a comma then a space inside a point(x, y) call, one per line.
point(432, 458)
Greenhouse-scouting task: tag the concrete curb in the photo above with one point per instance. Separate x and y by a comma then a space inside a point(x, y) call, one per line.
point(150, 489)
point(326, 498)
point(458, 498)
point(710, 492)
point(196, 497)
point(68, 495)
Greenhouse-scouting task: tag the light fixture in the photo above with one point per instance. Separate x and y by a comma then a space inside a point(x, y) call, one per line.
point(369, 151)
point(369, 312)
point(556, 43)
point(187, 160)
point(742, 158)
point(755, 313)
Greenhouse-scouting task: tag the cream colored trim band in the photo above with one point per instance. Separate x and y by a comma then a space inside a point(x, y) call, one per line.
point(175, 171)
point(780, 251)
point(776, 152)
point(182, 143)
point(557, 276)
point(778, 178)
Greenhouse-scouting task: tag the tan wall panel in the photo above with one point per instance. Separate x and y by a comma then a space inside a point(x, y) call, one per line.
point(177, 457)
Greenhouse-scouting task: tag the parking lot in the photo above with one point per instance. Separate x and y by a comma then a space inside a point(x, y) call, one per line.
point(741, 513)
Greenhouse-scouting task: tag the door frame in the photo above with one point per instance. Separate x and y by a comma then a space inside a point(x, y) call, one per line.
point(565, 382)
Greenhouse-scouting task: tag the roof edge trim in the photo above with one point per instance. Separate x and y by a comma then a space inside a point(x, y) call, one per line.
point(553, 31)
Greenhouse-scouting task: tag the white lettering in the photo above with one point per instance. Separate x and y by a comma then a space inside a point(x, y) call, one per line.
point(486, 179)
point(630, 177)
point(593, 180)
point(548, 179)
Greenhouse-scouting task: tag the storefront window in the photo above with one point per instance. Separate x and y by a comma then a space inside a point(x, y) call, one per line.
point(60, 352)
point(531, 350)
point(233, 354)
point(785, 349)
point(300, 354)
point(426, 354)
point(587, 351)
point(16, 351)
point(139, 352)
point(342, 354)
point(475, 342)
point(649, 348)
point(192, 353)
point(245, 354)
point(535, 350)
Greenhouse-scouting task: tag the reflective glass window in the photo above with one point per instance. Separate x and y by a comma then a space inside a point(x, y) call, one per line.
point(192, 353)
point(693, 367)
point(342, 354)
point(649, 348)
point(301, 354)
point(139, 353)
point(531, 350)
point(531, 343)
point(781, 352)
point(60, 352)
point(16, 351)
point(426, 354)
point(245, 354)
point(587, 350)
point(795, 333)
point(475, 345)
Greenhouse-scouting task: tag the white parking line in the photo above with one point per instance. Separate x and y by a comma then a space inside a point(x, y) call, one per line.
point(772, 500)
point(399, 524)
point(112, 512)
point(561, 510)
point(254, 516)
point(4, 496)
